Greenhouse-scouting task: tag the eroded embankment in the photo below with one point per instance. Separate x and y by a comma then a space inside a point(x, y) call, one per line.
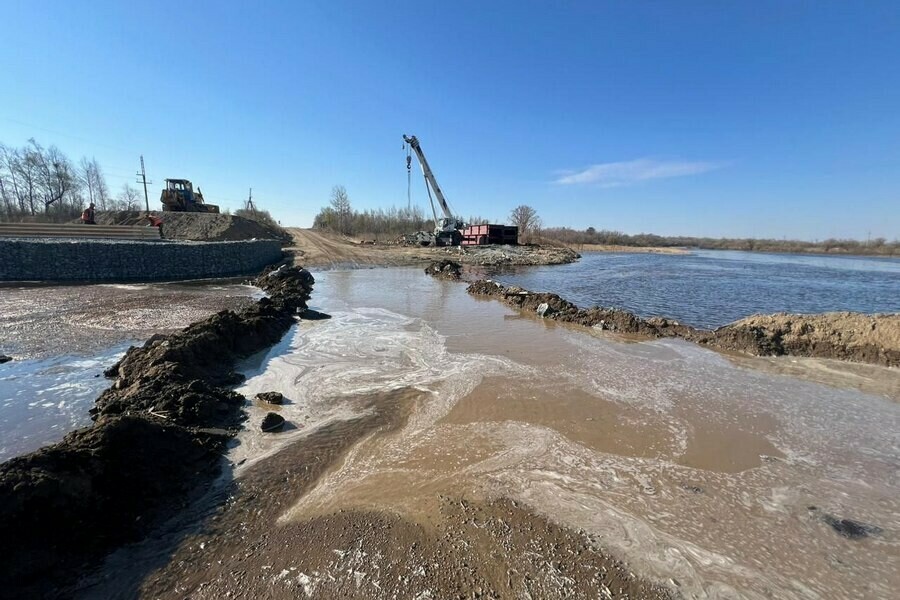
point(848, 336)
point(156, 442)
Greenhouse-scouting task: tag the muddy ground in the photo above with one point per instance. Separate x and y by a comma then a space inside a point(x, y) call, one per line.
point(465, 548)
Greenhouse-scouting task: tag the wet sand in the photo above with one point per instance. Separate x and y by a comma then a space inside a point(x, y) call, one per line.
point(440, 445)
point(38, 320)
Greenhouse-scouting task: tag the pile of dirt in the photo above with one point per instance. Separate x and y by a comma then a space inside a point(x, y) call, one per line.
point(551, 306)
point(445, 269)
point(156, 441)
point(842, 335)
point(201, 227)
point(848, 336)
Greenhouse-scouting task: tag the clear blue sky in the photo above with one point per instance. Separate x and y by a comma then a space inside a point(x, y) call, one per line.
point(753, 118)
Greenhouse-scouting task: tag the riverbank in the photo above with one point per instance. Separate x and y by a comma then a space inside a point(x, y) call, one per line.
point(317, 248)
point(441, 444)
point(500, 457)
point(856, 337)
point(627, 249)
point(154, 446)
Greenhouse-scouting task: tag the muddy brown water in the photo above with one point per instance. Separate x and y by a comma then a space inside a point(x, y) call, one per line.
point(698, 469)
point(522, 445)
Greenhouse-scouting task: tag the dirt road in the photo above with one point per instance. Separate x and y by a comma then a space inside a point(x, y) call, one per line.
point(314, 248)
point(320, 249)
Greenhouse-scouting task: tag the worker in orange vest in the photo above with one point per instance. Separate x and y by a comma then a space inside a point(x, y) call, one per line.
point(87, 216)
point(155, 222)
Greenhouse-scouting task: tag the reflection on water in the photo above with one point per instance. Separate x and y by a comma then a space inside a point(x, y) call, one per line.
point(694, 468)
point(713, 288)
point(41, 400)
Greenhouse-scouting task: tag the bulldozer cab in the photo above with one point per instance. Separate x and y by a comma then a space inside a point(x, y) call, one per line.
point(179, 185)
point(181, 188)
point(179, 196)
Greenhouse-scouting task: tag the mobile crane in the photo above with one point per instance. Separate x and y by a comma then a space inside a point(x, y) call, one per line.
point(446, 229)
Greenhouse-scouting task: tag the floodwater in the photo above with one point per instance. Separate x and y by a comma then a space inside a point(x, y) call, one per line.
point(709, 288)
point(63, 337)
point(701, 471)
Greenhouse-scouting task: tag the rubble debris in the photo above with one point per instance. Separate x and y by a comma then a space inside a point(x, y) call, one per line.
point(309, 314)
point(419, 238)
point(272, 422)
point(270, 397)
point(445, 269)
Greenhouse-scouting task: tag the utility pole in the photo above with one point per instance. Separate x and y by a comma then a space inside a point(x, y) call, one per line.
point(143, 179)
point(250, 206)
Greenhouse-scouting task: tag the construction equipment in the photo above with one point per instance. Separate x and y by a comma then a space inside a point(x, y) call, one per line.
point(179, 196)
point(446, 229)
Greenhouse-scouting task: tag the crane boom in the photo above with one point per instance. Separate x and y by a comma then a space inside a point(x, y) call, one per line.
point(429, 175)
point(446, 230)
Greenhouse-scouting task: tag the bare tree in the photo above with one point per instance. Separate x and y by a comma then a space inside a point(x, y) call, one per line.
point(128, 199)
point(340, 203)
point(91, 176)
point(526, 219)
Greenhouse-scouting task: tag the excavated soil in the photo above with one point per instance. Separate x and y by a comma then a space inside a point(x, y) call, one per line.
point(156, 443)
point(202, 227)
point(847, 336)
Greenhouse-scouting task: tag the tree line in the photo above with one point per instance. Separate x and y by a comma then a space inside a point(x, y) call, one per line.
point(372, 224)
point(877, 246)
point(40, 183)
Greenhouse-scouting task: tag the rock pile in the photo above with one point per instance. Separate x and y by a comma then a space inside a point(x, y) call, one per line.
point(445, 269)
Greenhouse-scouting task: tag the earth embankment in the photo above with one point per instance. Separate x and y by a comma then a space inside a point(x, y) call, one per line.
point(313, 247)
point(199, 227)
point(157, 440)
point(846, 336)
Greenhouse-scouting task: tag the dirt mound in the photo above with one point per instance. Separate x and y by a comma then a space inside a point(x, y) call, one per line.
point(445, 269)
point(856, 337)
point(842, 335)
point(551, 306)
point(202, 227)
point(157, 439)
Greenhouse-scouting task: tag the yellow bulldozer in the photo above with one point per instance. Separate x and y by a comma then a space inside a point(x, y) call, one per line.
point(179, 196)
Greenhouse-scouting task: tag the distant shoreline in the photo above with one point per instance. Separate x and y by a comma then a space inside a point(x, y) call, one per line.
point(627, 249)
point(689, 249)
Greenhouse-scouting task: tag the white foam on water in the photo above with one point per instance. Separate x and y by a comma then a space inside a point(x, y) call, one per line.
point(745, 534)
point(324, 367)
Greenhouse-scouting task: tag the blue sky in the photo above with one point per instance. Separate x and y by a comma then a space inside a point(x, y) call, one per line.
point(765, 119)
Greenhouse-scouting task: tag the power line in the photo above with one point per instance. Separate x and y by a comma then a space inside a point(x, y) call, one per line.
point(65, 135)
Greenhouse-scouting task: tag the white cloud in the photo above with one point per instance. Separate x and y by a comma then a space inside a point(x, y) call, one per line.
point(631, 171)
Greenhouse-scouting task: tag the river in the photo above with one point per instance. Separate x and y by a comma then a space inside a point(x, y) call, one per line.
point(709, 288)
point(716, 475)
